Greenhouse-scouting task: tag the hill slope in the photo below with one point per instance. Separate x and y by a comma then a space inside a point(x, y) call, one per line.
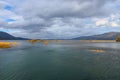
point(6, 36)
point(105, 36)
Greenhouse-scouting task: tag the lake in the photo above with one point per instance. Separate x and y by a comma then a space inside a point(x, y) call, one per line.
point(64, 60)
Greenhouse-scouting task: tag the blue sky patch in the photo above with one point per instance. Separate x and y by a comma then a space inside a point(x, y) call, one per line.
point(9, 20)
point(7, 7)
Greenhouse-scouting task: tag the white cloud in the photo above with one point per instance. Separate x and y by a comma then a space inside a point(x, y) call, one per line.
point(101, 22)
point(3, 3)
point(59, 18)
point(114, 24)
point(110, 21)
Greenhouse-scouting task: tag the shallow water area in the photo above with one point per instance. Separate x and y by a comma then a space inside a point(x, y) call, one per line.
point(64, 60)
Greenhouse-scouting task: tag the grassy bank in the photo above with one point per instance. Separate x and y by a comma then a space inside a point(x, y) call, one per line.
point(98, 40)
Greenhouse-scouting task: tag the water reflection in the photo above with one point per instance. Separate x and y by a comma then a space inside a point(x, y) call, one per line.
point(64, 60)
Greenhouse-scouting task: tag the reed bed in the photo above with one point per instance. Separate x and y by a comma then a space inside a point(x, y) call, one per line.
point(46, 42)
point(99, 41)
point(8, 44)
point(97, 50)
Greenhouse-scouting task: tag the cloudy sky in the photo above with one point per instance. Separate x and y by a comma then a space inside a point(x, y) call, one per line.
point(59, 18)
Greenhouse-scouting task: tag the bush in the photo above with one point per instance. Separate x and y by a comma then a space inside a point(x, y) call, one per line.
point(118, 39)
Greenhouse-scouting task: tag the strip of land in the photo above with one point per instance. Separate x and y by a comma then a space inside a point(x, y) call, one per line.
point(98, 40)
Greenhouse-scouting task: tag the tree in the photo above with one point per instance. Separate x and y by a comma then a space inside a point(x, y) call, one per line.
point(118, 39)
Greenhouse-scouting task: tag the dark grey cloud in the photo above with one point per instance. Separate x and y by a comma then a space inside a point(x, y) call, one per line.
point(64, 8)
point(58, 18)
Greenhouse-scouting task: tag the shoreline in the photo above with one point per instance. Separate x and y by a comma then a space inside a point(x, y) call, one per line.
point(98, 40)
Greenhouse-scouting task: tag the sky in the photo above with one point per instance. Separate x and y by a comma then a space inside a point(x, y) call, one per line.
point(59, 19)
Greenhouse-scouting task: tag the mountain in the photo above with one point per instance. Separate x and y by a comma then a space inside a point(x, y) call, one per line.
point(105, 36)
point(6, 36)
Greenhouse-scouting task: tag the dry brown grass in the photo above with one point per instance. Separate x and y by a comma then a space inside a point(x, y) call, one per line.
point(8, 44)
point(98, 41)
point(41, 41)
point(97, 51)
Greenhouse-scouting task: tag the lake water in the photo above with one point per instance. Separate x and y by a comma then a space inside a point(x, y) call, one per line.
point(65, 60)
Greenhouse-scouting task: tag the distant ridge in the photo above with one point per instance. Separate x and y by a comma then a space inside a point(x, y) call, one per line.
point(6, 36)
point(105, 36)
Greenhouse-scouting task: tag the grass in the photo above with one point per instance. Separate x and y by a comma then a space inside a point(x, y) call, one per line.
point(8, 44)
point(98, 41)
point(97, 50)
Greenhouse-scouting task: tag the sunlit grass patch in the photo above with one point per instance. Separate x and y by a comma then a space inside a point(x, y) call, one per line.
point(8, 44)
point(41, 41)
point(98, 41)
point(32, 41)
point(45, 42)
point(97, 50)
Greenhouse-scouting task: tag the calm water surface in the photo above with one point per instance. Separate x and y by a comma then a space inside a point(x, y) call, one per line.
point(66, 60)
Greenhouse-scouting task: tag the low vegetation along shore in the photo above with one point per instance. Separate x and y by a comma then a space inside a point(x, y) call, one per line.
point(46, 42)
point(4, 45)
point(8, 44)
point(98, 40)
point(117, 40)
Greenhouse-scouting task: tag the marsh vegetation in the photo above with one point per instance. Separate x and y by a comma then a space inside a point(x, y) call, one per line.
point(8, 44)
